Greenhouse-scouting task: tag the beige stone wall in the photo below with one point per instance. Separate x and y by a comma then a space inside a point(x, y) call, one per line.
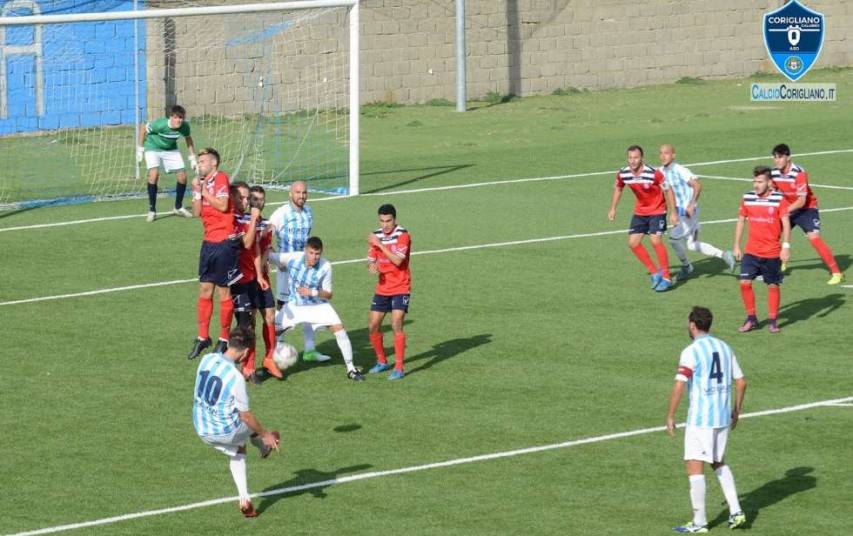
point(524, 47)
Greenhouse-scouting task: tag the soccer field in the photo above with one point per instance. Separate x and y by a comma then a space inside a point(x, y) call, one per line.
point(531, 325)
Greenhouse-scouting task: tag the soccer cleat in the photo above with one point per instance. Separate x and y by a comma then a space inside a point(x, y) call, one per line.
point(379, 367)
point(198, 347)
point(729, 259)
point(737, 520)
point(182, 212)
point(691, 528)
point(355, 375)
point(748, 325)
point(314, 355)
point(396, 374)
point(247, 509)
point(221, 346)
point(836, 279)
point(656, 278)
point(685, 271)
point(251, 377)
point(151, 216)
point(272, 368)
point(664, 285)
point(772, 327)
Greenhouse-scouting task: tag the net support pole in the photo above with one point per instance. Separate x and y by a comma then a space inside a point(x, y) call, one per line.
point(354, 111)
point(461, 77)
point(136, 83)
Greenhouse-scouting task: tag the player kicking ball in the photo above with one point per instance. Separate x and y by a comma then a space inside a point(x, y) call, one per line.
point(310, 281)
point(221, 415)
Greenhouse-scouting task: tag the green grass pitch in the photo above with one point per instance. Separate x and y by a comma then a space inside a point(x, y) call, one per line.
point(510, 346)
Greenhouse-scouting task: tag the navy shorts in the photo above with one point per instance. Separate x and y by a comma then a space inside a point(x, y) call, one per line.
point(245, 296)
point(807, 219)
point(217, 263)
point(769, 269)
point(648, 224)
point(265, 298)
point(385, 304)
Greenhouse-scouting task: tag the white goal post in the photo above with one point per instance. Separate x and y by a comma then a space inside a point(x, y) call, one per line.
point(349, 76)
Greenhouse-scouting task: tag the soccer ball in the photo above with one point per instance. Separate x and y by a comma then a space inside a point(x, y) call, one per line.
point(285, 355)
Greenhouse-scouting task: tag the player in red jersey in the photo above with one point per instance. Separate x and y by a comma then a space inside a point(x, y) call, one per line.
point(766, 212)
point(388, 256)
point(265, 302)
point(649, 213)
point(793, 182)
point(217, 265)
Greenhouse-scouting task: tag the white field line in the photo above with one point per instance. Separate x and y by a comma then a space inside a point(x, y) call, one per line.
point(353, 261)
point(431, 189)
point(847, 286)
point(739, 179)
point(413, 469)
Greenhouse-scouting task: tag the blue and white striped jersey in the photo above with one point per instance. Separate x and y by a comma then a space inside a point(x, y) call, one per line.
point(220, 394)
point(677, 178)
point(709, 367)
point(292, 226)
point(317, 277)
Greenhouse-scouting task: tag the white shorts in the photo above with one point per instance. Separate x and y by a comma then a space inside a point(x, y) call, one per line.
point(171, 160)
point(228, 444)
point(688, 226)
point(282, 286)
point(319, 316)
point(705, 444)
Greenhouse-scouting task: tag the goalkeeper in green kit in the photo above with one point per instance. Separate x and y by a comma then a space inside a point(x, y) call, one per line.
point(158, 144)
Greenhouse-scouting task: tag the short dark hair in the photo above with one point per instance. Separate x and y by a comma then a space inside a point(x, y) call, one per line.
point(762, 170)
point(257, 189)
point(635, 148)
point(314, 242)
point(240, 184)
point(782, 149)
point(240, 338)
point(701, 318)
point(387, 209)
point(212, 152)
point(177, 110)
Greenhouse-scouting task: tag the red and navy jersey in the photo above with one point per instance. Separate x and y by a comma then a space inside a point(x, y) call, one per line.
point(795, 184)
point(393, 279)
point(247, 255)
point(764, 214)
point(218, 226)
point(647, 187)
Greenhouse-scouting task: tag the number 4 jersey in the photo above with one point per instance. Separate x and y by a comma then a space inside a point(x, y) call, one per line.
point(220, 396)
point(708, 366)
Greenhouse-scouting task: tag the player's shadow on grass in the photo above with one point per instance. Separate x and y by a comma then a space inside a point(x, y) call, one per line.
point(433, 171)
point(311, 481)
point(796, 480)
point(843, 261)
point(707, 267)
point(445, 350)
point(809, 307)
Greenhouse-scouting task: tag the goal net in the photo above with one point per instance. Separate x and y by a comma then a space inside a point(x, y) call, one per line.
point(267, 85)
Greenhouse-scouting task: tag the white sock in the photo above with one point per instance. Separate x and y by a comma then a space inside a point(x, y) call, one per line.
point(346, 348)
point(237, 464)
point(727, 482)
point(697, 498)
point(308, 336)
point(680, 249)
point(705, 248)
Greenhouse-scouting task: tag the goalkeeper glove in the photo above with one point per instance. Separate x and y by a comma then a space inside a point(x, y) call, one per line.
point(193, 163)
point(140, 154)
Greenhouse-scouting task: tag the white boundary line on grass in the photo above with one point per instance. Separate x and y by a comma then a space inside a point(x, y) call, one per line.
point(430, 189)
point(353, 261)
point(412, 469)
point(738, 179)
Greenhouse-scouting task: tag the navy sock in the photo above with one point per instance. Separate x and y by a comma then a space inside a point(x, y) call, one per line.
point(152, 197)
point(179, 194)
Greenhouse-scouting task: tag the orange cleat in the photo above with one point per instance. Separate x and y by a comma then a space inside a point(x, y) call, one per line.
point(272, 368)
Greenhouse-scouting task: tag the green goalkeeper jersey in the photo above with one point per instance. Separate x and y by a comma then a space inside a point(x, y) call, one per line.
point(161, 137)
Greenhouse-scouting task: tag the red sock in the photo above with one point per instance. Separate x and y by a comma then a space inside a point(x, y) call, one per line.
point(205, 311)
point(378, 347)
point(399, 350)
point(825, 254)
point(249, 364)
point(663, 258)
point(226, 312)
point(643, 255)
point(748, 296)
point(269, 339)
point(773, 298)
